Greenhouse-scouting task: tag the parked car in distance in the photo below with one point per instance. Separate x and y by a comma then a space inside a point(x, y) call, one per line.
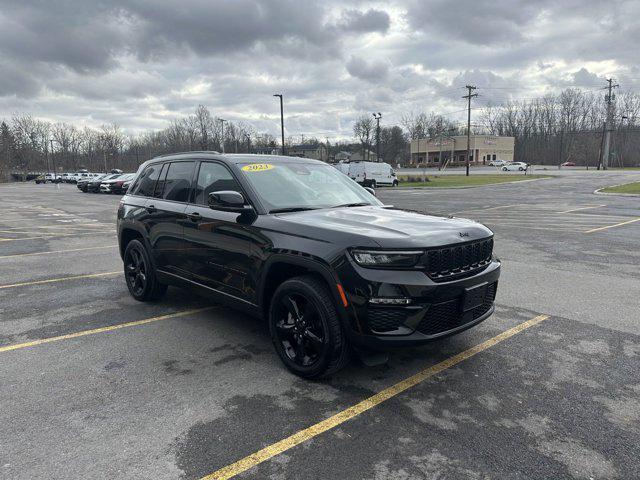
point(93, 185)
point(297, 243)
point(83, 182)
point(497, 163)
point(373, 174)
point(115, 184)
point(515, 166)
point(568, 164)
point(127, 184)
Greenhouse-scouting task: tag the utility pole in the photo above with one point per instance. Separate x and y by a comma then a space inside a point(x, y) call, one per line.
point(222, 120)
point(377, 116)
point(607, 135)
point(279, 95)
point(248, 142)
point(469, 96)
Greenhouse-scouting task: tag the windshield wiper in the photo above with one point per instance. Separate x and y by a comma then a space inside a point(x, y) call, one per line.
point(356, 204)
point(291, 209)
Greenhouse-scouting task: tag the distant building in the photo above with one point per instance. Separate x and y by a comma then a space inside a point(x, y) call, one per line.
point(484, 148)
point(343, 156)
point(317, 152)
point(366, 155)
point(266, 150)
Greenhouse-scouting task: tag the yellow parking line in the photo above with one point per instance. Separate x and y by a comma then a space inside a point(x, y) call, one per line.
point(110, 328)
point(582, 208)
point(61, 279)
point(345, 415)
point(612, 226)
point(55, 251)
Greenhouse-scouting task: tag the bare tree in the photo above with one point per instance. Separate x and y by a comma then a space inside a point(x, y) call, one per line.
point(362, 128)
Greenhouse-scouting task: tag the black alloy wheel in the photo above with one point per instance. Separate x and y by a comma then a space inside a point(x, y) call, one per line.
point(299, 330)
point(136, 271)
point(140, 274)
point(305, 328)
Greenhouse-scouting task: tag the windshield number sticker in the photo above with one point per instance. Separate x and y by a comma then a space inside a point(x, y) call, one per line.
point(257, 167)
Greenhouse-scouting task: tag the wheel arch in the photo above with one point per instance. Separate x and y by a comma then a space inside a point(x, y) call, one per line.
point(281, 267)
point(128, 233)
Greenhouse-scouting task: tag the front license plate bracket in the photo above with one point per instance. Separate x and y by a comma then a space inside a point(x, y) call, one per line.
point(474, 296)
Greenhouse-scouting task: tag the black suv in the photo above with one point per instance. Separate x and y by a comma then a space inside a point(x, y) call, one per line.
point(303, 246)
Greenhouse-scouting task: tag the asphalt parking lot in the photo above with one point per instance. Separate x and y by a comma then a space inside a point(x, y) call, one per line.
point(97, 385)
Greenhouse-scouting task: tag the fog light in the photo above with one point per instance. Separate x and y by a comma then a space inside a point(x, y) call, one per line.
point(390, 301)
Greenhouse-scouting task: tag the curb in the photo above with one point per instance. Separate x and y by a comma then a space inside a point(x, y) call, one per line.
point(600, 192)
point(473, 186)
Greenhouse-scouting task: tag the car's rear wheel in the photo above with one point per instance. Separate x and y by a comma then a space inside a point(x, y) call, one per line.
point(504, 169)
point(140, 273)
point(305, 328)
point(520, 168)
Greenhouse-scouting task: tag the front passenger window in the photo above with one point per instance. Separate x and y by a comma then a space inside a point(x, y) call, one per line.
point(213, 177)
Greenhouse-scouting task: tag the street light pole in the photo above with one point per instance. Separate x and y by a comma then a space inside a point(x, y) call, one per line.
point(377, 116)
point(279, 95)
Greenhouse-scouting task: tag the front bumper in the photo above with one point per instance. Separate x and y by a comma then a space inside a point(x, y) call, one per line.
point(436, 309)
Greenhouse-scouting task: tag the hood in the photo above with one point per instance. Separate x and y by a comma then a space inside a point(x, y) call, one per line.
point(389, 228)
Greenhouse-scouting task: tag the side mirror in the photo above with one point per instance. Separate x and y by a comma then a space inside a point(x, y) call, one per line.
point(228, 201)
point(370, 190)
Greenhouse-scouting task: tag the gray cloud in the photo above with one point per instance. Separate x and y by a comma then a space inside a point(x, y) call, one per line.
point(370, 21)
point(369, 71)
point(142, 62)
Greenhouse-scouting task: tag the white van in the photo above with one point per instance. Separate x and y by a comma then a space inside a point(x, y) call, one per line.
point(373, 174)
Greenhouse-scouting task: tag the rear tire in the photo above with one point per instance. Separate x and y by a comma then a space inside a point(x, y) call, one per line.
point(140, 274)
point(374, 184)
point(504, 169)
point(305, 329)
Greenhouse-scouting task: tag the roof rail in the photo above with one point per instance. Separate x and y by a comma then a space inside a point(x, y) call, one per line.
point(215, 152)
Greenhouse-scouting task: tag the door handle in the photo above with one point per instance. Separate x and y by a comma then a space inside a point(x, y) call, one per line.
point(151, 208)
point(195, 216)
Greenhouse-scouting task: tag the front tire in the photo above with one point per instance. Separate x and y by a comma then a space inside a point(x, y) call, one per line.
point(140, 273)
point(305, 328)
point(504, 169)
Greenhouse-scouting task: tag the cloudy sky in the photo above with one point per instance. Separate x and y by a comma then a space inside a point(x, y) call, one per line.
point(141, 63)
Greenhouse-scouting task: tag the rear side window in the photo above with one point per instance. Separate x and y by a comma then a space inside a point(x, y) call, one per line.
point(147, 182)
point(213, 177)
point(177, 183)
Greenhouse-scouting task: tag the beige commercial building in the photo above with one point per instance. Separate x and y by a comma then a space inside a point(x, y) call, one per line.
point(453, 150)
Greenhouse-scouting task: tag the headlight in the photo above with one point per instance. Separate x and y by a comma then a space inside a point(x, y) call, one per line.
point(375, 258)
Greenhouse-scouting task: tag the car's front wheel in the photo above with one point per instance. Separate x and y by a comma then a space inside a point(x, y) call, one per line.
point(504, 169)
point(140, 273)
point(305, 328)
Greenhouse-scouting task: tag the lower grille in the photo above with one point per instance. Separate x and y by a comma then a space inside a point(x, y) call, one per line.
point(445, 316)
point(385, 319)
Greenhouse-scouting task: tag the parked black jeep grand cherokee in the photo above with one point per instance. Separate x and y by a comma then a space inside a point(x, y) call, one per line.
point(299, 243)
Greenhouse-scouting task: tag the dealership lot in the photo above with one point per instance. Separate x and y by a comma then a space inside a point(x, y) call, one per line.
point(97, 385)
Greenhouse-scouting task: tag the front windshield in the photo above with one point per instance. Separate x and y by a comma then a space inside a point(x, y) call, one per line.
point(304, 186)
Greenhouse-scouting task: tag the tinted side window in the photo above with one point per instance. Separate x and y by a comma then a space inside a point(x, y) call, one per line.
point(177, 183)
point(147, 181)
point(213, 177)
point(161, 181)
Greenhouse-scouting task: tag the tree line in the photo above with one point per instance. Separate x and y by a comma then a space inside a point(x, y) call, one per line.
point(547, 130)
